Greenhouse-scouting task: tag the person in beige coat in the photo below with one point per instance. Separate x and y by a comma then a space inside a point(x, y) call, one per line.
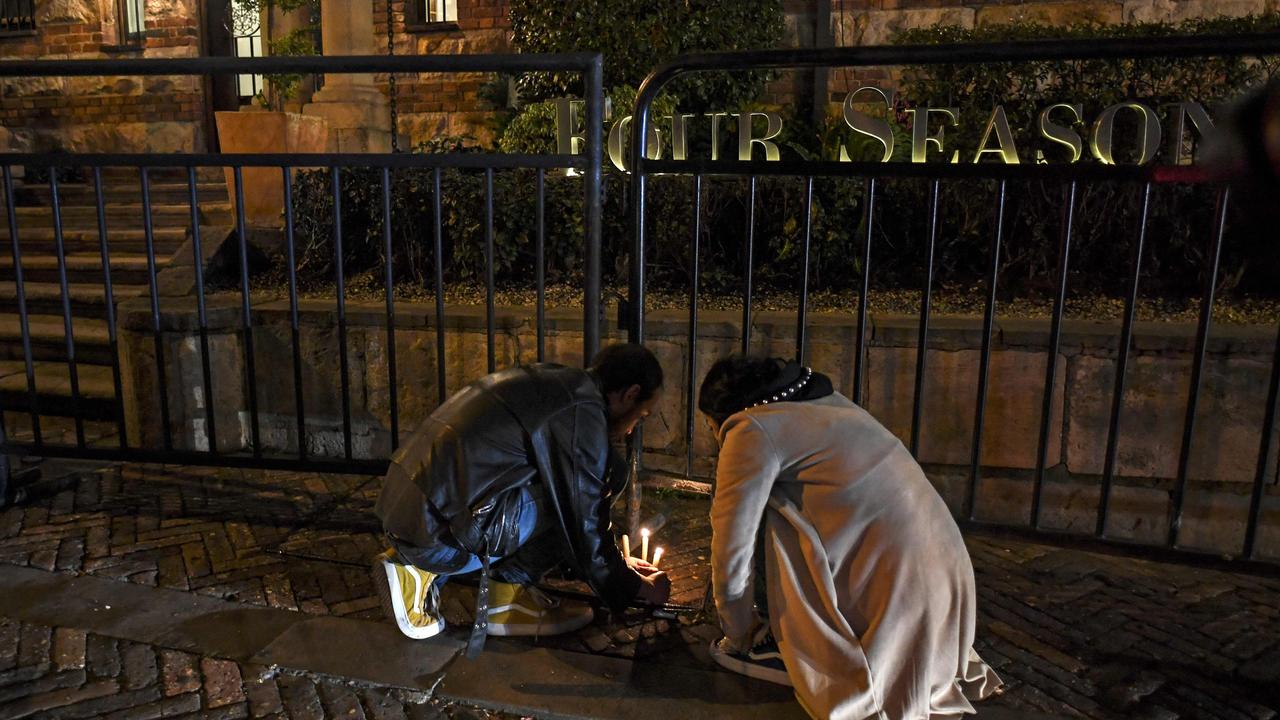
point(870, 590)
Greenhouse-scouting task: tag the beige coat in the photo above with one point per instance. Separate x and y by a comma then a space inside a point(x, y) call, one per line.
point(871, 591)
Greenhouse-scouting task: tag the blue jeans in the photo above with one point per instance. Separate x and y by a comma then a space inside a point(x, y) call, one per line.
point(442, 555)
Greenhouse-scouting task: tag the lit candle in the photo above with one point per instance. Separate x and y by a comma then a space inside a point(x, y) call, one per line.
point(657, 556)
point(626, 546)
point(644, 544)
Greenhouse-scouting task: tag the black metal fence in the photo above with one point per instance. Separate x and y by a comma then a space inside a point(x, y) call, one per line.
point(1071, 177)
point(164, 449)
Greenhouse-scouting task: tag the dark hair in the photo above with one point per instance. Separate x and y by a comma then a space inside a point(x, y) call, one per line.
point(734, 382)
point(622, 365)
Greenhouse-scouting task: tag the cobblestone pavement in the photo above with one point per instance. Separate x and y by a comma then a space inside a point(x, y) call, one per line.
point(1074, 634)
point(59, 673)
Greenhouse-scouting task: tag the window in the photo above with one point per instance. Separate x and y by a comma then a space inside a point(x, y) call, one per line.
point(427, 12)
point(17, 16)
point(133, 25)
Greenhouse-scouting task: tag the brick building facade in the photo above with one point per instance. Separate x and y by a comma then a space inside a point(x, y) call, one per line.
point(159, 114)
point(174, 113)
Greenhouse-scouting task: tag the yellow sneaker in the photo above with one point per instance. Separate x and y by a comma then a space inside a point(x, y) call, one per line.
point(520, 610)
point(407, 596)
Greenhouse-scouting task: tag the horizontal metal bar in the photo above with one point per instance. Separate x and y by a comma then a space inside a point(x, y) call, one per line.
point(205, 459)
point(1235, 45)
point(479, 161)
point(442, 63)
point(1083, 171)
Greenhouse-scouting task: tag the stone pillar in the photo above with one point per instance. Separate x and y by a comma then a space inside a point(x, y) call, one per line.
point(358, 114)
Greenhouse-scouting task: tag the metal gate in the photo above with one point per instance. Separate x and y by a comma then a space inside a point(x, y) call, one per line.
point(187, 167)
point(1070, 177)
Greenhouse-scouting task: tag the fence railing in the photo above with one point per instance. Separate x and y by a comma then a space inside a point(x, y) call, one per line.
point(146, 165)
point(1071, 177)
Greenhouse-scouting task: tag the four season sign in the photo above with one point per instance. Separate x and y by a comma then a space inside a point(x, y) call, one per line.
point(1063, 130)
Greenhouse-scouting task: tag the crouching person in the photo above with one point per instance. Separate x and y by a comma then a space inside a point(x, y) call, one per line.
point(869, 604)
point(511, 477)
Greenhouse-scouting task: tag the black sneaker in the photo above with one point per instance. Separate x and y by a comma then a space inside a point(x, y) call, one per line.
point(762, 662)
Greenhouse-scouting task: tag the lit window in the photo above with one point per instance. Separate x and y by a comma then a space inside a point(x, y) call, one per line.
point(431, 11)
point(133, 14)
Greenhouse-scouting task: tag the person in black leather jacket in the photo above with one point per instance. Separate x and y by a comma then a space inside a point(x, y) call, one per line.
point(516, 471)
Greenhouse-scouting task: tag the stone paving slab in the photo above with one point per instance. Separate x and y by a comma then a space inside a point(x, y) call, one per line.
point(1074, 634)
point(554, 683)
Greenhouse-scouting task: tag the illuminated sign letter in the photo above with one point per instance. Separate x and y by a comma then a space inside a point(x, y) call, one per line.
point(680, 136)
point(1101, 143)
point(620, 134)
point(715, 133)
point(864, 124)
point(772, 130)
point(1007, 150)
point(1062, 134)
point(920, 137)
point(569, 136)
point(1195, 112)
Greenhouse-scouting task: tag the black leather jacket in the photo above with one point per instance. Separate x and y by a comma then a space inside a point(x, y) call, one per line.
point(457, 480)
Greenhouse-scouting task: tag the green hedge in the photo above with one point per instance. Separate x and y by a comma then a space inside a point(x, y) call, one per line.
point(1106, 214)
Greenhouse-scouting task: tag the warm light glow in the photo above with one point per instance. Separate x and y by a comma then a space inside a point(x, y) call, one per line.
point(657, 556)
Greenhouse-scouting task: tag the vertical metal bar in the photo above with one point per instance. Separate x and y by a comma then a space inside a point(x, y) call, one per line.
point(594, 79)
point(149, 233)
point(391, 309)
point(295, 332)
point(1055, 343)
point(540, 270)
point(439, 278)
point(748, 261)
point(692, 377)
point(1122, 367)
point(342, 312)
point(67, 328)
point(211, 431)
point(246, 313)
point(33, 400)
point(489, 310)
point(1178, 500)
point(984, 367)
point(108, 296)
point(926, 298)
point(1264, 455)
point(861, 352)
point(802, 316)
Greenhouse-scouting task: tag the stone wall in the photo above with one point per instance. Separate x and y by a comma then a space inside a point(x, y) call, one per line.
point(1223, 454)
point(103, 114)
point(433, 104)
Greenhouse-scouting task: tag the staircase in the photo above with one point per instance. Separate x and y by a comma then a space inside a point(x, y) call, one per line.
point(126, 243)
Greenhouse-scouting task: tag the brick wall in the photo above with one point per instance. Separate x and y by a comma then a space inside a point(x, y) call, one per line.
point(434, 104)
point(162, 114)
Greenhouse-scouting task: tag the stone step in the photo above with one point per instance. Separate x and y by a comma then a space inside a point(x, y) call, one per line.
point(87, 299)
point(97, 396)
point(47, 334)
point(41, 241)
point(126, 268)
point(129, 215)
point(175, 193)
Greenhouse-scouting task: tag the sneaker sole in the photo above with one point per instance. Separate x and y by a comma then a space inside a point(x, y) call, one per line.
point(393, 605)
point(541, 629)
point(751, 670)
